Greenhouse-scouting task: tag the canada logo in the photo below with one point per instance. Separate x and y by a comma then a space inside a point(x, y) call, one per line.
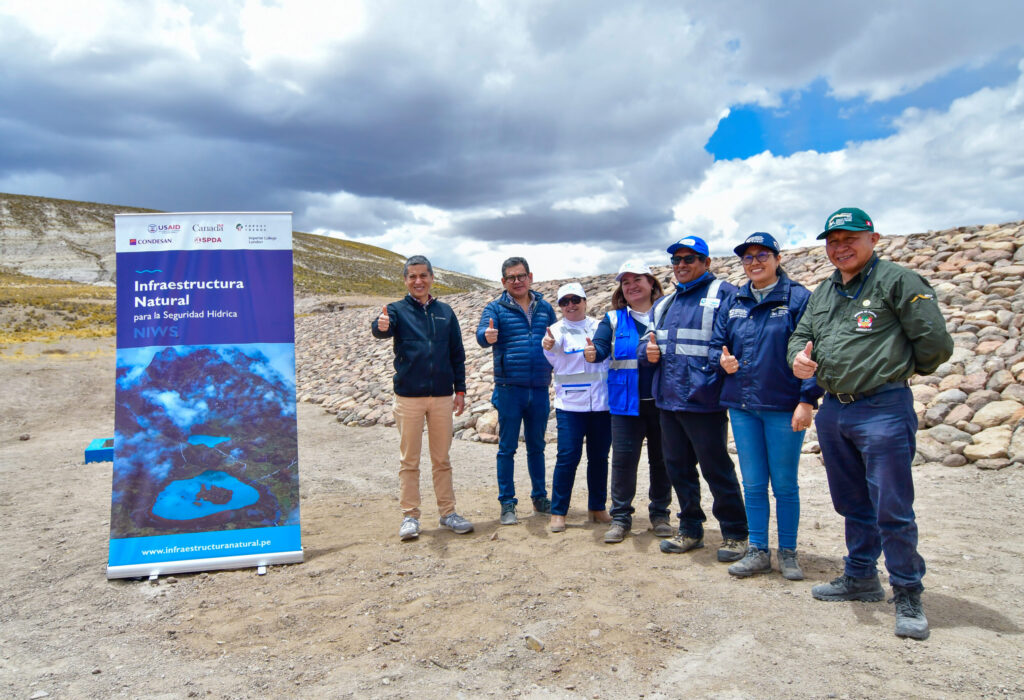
point(865, 320)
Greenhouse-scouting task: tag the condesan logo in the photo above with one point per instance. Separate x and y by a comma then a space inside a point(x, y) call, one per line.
point(149, 241)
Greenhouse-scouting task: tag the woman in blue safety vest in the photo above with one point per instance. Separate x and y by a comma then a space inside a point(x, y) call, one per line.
point(633, 413)
point(769, 408)
point(581, 407)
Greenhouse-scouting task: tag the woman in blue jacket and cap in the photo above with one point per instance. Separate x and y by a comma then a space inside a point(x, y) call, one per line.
point(769, 408)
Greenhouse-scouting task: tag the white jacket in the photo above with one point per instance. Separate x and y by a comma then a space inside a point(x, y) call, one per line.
point(579, 385)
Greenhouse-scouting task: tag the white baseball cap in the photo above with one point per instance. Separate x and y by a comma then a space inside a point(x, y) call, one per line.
point(569, 289)
point(634, 266)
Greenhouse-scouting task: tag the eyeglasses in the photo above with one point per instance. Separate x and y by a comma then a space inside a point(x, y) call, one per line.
point(565, 301)
point(688, 259)
point(518, 278)
point(760, 257)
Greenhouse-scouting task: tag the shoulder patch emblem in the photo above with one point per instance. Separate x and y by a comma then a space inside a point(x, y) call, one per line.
point(922, 296)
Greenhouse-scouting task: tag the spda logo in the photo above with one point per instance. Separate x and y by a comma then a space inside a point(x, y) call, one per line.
point(164, 228)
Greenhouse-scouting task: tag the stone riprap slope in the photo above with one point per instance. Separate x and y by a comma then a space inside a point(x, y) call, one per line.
point(74, 241)
point(971, 409)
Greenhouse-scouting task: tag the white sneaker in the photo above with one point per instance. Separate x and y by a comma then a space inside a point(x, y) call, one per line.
point(410, 529)
point(456, 523)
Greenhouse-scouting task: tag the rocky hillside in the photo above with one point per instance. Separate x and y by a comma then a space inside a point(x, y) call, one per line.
point(971, 409)
point(74, 241)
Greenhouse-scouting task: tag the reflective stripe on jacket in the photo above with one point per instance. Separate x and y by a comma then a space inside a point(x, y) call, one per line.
point(579, 385)
point(683, 322)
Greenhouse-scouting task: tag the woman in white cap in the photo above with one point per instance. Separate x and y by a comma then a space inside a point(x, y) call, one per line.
point(769, 408)
point(633, 413)
point(581, 407)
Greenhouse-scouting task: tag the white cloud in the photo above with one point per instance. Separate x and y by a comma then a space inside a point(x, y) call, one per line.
point(942, 169)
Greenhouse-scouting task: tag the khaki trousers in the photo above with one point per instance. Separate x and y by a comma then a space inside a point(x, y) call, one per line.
point(410, 413)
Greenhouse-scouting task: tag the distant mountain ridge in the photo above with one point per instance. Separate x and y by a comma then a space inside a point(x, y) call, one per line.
point(69, 240)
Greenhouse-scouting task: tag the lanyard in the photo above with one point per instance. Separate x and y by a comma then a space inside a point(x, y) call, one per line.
point(862, 283)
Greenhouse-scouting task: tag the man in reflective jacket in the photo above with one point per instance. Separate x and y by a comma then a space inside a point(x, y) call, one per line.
point(686, 388)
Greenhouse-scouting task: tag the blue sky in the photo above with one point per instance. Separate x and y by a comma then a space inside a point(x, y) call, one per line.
point(578, 133)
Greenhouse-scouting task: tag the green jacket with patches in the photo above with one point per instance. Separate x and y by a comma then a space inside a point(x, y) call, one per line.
point(883, 326)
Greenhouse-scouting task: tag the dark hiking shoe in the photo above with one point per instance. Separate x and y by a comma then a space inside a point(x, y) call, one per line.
point(662, 527)
point(508, 514)
point(910, 619)
point(755, 561)
point(732, 550)
point(615, 533)
point(789, 566)
point(542, 505)
point(846, 587)
point(681, 543)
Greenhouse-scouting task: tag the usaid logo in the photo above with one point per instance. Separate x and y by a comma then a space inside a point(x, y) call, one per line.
point(167, 228)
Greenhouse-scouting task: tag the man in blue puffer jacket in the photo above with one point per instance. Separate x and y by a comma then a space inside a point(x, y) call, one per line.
point(686, 388)
point(513, 326)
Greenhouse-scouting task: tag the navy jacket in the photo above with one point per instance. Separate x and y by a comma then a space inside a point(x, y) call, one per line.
point(518, 357)
point(430, 359)
point(683, 321)
point(757, 334)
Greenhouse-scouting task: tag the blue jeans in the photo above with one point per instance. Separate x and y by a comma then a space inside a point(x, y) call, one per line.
point(868, 446)
point(628, 433)
point(689, 438)
point(769, 450)
point(573, 426)
point(528, 406)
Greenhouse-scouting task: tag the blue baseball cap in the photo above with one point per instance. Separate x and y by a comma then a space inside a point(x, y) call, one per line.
point(697, 245)
point(760, 238)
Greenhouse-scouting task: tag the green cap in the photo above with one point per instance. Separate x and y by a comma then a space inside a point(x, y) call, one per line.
point(847, 219)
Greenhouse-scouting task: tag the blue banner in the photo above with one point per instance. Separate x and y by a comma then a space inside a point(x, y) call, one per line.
point(205, 438)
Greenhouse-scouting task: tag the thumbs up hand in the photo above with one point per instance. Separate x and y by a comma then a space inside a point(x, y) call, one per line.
point(549, 340)
point(590, 352)
point(383, 321)
point(729, 363)
point(491, 334)
point(653, 351)
point(803, 366)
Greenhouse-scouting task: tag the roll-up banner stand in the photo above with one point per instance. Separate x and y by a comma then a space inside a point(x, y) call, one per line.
point(205, 439)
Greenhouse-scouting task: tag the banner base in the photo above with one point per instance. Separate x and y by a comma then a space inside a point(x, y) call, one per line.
point(210, 564)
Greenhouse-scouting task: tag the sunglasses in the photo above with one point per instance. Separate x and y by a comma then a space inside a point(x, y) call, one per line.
point(688, 259)
point(760, 257)
point(565, 301)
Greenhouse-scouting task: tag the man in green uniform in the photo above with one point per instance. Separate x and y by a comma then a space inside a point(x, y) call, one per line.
point(867, 329)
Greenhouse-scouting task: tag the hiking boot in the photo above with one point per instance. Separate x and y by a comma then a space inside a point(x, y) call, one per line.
point(755, 561)
point(410, 529)
point(508, 514)
point(910, 619)
point(616, 533)
point(662, 527)
point(681, 543)
point(457, 524)
point(788, 565)
point(846, 587)
point(733, 550)
point(542, 505)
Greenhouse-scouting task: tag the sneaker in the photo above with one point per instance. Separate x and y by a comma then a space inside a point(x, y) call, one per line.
point(662, 527)
point(410, 529)
point(732, 550)
point(755, 561)
point(457, 524)
point(508, 514)
point(681, 543)
point(616, 533)
point(542, 505)
point(846, 587)
point(910, 619)
point(788, 565)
